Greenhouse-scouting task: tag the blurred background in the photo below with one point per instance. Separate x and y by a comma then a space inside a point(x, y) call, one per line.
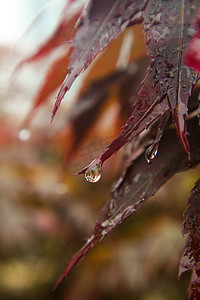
point(45, 212)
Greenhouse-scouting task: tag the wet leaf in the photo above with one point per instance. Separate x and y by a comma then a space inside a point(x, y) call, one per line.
point(169, 36)
point(139, 182)
point(191, 256)
point(169, 82)
point(103, 67)
point(102, 22)
point(85, 112)
point(152, 151)
point(165, 90)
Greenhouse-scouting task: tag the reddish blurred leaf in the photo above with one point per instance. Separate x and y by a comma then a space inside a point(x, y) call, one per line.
point(168, 83)
point(191, 256)
point(53, 80)
point(139, 182)
point(62, 34)
point(7, 134)
point(192, 56)
point(57, 71)
point(104, 20)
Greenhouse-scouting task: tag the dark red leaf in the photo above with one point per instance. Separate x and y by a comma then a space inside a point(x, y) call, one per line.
point(103, 21)
point(190, 259)
point(151, 152)
point(139, 182)
point(169, 82)
point(148, 107)
point(168, 25)
point(86, 110)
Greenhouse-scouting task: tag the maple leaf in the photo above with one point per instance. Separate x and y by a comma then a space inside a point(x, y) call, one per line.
point(86, 110)
point(165, 90)
point(139, 182)
point(102, 22)
point(169, 82)
point(191, 256)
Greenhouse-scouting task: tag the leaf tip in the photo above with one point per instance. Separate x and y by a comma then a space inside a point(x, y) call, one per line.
point(80, 172)
point(81, 254)
point(181, 127)
point(59, 99)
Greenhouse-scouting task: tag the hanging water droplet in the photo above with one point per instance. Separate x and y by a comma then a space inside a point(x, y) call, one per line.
point(151, 152)
point(171, 74)
point(24, 134)
point(93, 174)
point(112, 206)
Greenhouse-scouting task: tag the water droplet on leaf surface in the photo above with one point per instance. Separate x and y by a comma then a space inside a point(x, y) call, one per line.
point(93, 174)
point(151, 152)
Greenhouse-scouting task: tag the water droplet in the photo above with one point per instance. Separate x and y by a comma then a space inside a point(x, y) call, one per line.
point(112, 206)
point(157, 19)
point(24, 134)
point(93, 174)
point(151, 152)
point(171, 74)
point(136, 178)
point(131, 118)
